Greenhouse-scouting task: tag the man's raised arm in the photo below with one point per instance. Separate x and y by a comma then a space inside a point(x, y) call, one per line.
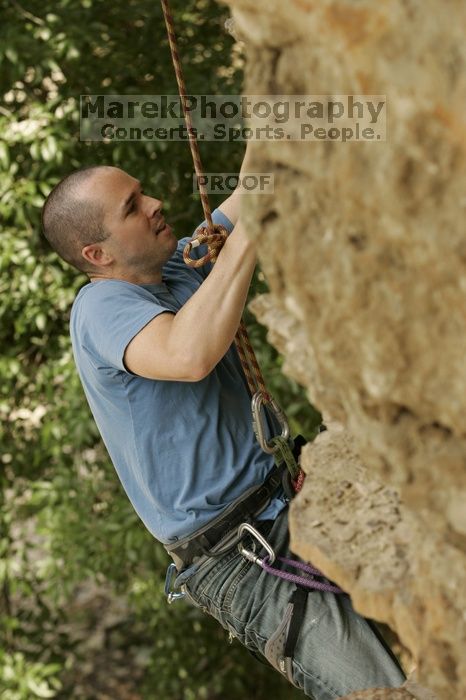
point(188, 345)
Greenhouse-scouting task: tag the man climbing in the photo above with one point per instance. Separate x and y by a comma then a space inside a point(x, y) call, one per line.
point(152, 340)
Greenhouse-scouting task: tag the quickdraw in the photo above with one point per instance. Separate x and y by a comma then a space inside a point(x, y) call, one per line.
point(258, 421)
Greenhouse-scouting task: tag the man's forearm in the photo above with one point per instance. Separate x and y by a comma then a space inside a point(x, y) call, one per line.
point(206, 325)
point(245, 165)
point(231, 206)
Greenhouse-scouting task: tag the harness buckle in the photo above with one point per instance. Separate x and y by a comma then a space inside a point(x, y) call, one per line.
point(169, 580)
point(258, 420)
point(251, 556)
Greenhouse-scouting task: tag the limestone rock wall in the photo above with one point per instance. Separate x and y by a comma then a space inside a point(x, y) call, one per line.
point(364, 248)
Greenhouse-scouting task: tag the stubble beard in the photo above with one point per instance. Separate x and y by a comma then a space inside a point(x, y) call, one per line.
point(151, 264)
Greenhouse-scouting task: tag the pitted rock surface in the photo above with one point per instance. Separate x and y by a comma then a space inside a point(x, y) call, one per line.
point(364, 250)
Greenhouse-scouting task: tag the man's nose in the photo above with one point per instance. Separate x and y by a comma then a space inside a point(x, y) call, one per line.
point(153, 206)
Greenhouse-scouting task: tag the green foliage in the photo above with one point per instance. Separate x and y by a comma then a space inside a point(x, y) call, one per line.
point(21, 680)
point(65, 519)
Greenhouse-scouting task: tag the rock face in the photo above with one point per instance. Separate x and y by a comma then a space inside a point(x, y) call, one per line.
point(364, 249)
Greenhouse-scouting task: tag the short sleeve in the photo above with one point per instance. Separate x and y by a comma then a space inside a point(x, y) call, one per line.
point(106, 316)
point(218, 217)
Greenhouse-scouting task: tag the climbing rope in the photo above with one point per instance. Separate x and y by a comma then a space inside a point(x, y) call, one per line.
point(214, 236)
point(308, 581)
point(191, 133)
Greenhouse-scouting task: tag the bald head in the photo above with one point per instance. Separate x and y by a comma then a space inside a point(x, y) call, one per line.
point(73, 218)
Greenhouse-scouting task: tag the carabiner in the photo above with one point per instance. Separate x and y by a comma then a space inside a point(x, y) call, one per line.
point(258, 420)
point(169, 578)
point(246, 553)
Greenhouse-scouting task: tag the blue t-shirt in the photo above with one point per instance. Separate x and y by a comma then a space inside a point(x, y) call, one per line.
point(182, 450)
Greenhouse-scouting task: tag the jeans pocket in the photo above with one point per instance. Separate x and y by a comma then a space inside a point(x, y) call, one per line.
point(205, 586)
point(240, 572)
point(191, 599)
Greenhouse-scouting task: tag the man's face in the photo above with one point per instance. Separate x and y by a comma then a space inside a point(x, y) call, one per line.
point(140, 241)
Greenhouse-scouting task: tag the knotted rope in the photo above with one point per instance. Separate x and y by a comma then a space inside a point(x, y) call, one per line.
point(213, 235)
point(214, 242)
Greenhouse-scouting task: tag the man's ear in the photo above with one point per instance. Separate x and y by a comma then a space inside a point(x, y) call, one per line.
point(96, 255)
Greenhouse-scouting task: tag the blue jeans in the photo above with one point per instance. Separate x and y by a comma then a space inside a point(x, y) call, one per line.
point(337, 651)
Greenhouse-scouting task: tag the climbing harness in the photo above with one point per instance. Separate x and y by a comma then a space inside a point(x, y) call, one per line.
point(212, 539)
point(214, 236)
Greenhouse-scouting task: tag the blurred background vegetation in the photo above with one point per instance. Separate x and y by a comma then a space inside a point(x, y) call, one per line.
point(82, 610)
